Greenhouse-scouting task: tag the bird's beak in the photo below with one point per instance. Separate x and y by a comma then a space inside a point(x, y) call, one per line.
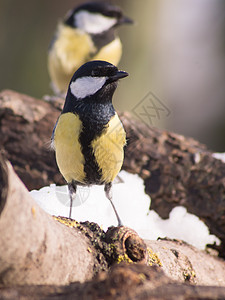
point(125, 20)
point(117, 76)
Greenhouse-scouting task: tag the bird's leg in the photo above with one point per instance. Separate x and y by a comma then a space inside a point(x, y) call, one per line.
point(72, 193)
point(108, 192)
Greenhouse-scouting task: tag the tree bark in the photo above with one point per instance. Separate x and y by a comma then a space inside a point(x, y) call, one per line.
point(176, 170)
point(34, 248)
point(26, 126)
point(134, 281)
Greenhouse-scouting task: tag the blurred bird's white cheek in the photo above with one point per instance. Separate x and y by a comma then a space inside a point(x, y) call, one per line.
point(93, 22)
point(86, 86)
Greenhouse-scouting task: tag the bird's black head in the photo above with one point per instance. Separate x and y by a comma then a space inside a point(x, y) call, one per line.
point(92, 85)
point(96, 17)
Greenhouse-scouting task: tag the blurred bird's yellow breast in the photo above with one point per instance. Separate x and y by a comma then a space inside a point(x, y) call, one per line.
point(69, 157)
point(70, 50)
point(108, 149)
point(111, 52)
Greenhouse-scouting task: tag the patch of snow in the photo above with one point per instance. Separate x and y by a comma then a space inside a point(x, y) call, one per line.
point(132, 205)
point(220, 156)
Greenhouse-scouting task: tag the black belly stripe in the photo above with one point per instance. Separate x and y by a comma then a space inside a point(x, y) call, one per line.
point(91, 168)
point(91, 130)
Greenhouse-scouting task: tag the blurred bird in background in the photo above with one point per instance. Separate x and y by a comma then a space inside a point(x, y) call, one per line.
point(88, 137)
point(176, 51)
point(86, 33)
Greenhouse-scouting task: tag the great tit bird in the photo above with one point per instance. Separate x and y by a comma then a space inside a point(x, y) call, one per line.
point(89, 137)
point(86, 33)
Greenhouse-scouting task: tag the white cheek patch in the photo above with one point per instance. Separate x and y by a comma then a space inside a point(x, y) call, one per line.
point(86, 86)
point(93, 22)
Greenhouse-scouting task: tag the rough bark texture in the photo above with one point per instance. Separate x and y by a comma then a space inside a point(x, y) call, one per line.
point(185, 263)
point(176, 170)
point(33, 246)
point(135, 281)
point(26, 126)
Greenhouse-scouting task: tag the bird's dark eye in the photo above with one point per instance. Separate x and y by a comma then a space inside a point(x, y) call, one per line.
point(114, 13)
point(95, 72)
point(104, 71)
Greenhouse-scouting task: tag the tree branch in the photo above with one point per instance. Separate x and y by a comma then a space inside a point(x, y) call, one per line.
point(135, 281)
point(36, 248)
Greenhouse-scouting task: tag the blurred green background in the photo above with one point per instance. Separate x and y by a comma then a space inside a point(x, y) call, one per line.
point(175, 55)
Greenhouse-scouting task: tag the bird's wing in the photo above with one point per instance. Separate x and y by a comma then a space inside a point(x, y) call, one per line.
point(69, 157)
point(53, 135)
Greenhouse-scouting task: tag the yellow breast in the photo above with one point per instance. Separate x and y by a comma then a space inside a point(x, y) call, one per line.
point(111, 52)
point(69, 157)
point(108, 149)
point(71, 49)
